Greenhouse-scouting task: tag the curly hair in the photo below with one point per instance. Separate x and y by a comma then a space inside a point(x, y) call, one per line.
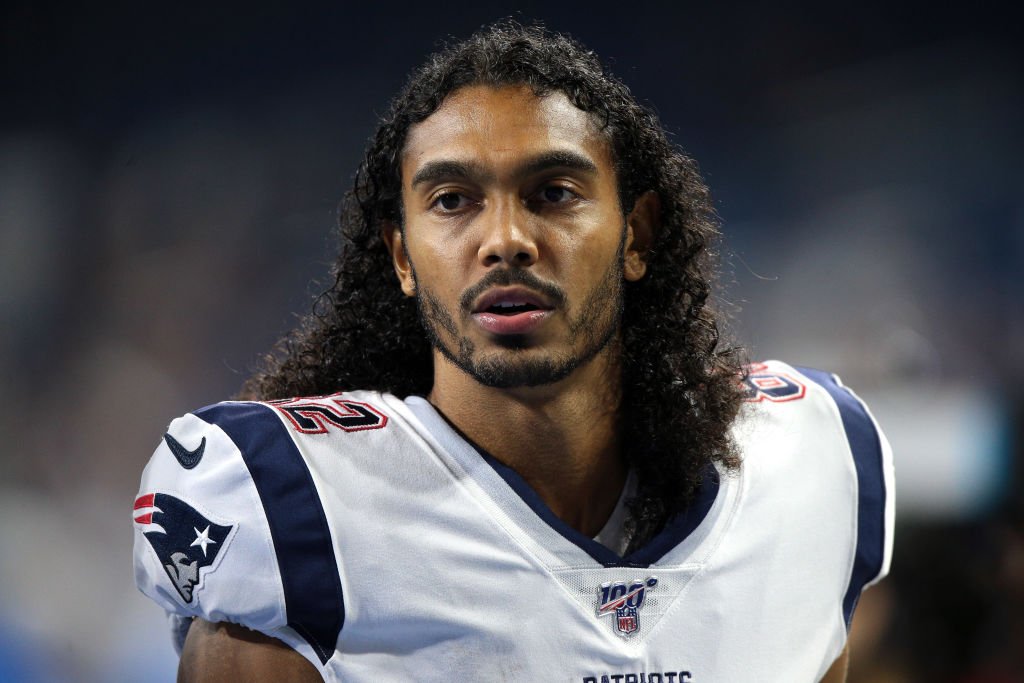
point(681, 389)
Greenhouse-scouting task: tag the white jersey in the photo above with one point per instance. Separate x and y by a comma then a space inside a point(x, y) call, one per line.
point(365, 533)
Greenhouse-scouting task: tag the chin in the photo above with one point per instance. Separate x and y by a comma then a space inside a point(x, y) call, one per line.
point(515, 342)
point(519, 369)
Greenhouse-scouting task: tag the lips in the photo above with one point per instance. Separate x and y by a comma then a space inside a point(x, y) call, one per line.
point(511, 310)
point(509, 300)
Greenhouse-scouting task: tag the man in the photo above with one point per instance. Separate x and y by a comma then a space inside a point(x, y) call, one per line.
point(582, 485)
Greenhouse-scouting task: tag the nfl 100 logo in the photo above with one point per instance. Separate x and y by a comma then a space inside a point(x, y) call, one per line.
point(624, 600)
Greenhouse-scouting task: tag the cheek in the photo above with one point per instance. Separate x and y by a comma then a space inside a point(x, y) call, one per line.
point(591, 252)
point(435, 267)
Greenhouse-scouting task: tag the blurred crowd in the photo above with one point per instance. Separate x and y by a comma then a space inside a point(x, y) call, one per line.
point(874, 221)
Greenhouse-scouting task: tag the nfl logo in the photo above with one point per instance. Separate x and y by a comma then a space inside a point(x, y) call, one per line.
point(624, 600)
point(626, 621)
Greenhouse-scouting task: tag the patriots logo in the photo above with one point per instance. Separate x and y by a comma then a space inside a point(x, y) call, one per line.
point(184, 540)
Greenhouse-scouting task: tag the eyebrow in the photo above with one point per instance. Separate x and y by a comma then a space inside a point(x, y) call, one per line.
point(443, 169)
point(558, 159)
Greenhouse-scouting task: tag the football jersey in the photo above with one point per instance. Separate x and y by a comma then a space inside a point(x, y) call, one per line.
point(363, 531)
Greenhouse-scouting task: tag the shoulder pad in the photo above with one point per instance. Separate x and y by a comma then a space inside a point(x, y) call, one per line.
point(872, 462)
point(229, 527)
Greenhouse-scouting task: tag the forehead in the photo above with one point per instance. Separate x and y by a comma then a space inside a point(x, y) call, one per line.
point(501, 125)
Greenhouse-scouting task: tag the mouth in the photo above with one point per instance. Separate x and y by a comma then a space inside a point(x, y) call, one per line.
point(509, 301)
point(511, 310)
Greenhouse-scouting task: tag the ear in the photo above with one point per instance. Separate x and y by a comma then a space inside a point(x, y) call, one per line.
point(642, 224)
point(393, 238)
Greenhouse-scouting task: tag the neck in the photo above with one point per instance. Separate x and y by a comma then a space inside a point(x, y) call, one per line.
point(562, 438)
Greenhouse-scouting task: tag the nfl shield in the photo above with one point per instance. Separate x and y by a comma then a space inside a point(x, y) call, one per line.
point(626, 620)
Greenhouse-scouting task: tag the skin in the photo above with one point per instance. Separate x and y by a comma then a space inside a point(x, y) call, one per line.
point(214, 653)
point(498, 179)
point(504, 219)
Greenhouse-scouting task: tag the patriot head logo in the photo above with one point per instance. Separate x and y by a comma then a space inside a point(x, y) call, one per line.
point(624, 601)
point(184, 540)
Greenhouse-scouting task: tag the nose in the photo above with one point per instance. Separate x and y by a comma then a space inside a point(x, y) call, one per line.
point(508, 235)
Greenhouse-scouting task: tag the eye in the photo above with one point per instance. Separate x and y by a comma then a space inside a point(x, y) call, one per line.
point(450, 201)
point(555, 194)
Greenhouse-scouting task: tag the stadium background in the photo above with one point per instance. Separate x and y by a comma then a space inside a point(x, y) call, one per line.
point(169, 175)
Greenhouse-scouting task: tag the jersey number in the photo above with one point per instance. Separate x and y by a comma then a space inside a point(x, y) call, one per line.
point(314, 416)
point(771, 386)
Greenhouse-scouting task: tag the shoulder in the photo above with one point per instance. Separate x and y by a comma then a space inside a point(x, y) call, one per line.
point(199, 513)
point(806, 428)
point(230, 522)
point(817, 404)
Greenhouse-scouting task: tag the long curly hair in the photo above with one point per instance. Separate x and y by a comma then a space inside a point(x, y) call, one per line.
point(681, 387)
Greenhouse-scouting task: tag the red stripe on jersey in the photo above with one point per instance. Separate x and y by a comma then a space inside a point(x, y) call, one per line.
point(145, 501)
point(145, 519)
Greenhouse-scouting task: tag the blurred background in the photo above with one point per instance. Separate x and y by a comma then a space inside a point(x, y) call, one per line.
point(169, 176)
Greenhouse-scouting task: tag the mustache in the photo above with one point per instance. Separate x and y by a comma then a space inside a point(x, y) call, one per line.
point(504, 278)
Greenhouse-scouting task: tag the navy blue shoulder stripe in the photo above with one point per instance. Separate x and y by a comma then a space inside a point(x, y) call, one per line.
point(298, 525)
point(867, 457)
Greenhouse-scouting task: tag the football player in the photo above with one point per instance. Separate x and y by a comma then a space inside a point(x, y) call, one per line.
point(509, 443)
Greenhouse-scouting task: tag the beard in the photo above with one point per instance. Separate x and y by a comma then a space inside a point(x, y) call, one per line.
point(591, 329)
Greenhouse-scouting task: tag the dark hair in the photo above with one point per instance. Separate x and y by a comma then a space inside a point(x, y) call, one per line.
point(680, 383)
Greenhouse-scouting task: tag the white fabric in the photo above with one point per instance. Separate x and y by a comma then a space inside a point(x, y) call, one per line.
point(220, 488)
point(448, 574)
